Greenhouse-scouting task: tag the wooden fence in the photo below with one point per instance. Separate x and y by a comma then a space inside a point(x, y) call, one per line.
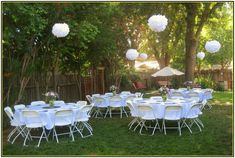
point(67, 87)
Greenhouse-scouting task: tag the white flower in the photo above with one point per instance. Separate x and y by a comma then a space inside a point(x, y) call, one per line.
point(60, 30)
point(157, 23)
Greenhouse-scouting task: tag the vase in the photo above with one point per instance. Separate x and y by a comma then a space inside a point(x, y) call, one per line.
point(164, 97)
point(114, 93)
point(51, 103)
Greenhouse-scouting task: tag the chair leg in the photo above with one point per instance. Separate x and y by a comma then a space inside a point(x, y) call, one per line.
point(184, 123)
point(164, 126)
point(143, 123)
point(155, 127)
point(121, 112)
point(107, 111)
point(200, 122)
point(55, 134)
point(124, 111)
point(71, 133)
point(179, 127)
point(17, 136)
point(137, 125)
point(197, 125)
point(26, 137)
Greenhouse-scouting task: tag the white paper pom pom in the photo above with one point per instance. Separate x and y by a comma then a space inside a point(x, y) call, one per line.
point(200, 55)
point(132, 54)
point(157, 23)
point(212, 46)
point(60, 30)
point(143, 56)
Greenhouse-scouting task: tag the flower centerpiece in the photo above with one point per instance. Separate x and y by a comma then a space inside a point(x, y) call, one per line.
point(113, 89)
point(164, 91)
point(188, 85)
point(51, 97)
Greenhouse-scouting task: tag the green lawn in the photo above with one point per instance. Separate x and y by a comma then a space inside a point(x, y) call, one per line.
point(112, 137)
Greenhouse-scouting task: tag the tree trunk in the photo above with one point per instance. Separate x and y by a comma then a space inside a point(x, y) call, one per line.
point(190, 42)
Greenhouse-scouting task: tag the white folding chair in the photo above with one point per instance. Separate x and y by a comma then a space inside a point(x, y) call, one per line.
point(19, 107)
point(99, 104)
point(192, 116)
point(172, 113)
point(63, 118)
point(59, 102)
point(35, 103)
point(133, 112)
point(146, 113)
point(18, 127)
point(115, 102)
point(89, 98)
point(82, 118)
point(33, 121)
point(208, 96)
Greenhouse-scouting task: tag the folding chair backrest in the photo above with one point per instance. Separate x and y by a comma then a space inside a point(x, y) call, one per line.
point(9, 112)
point(89, 98)
point(95, 95)
point(175, 93)
point(129, 104)
point(195, 109)
point(125, 92)
point(144, 108)
point(86, 108)
point(182, 89)
point(31, 117)
point(108, 94)
point(34, 103)
point(137, 94)
point(19, 107)
point(193, 94)
point(172, 112)
point(82, 103)
point(156, 98)
point(64, 116)
point(130, 97)
point(59, 102)
point(115, 99)
point(63, 113)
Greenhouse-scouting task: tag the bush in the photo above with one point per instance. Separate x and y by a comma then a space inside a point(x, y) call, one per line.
point(219, 87)
point(205, 82)
point(175, 83)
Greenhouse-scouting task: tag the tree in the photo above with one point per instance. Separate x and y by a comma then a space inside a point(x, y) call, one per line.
point(197, 16)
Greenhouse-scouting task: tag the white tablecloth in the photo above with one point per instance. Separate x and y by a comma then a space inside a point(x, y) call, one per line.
point(47, 115)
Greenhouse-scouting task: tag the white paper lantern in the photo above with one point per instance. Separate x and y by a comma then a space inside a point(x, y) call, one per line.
point(212, 46)
point(143, 56)
point(157, 23)
point(132, 54)
point(60, 30)
point(200, 55)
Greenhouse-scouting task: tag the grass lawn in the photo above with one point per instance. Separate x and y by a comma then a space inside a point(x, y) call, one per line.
point(112, 137)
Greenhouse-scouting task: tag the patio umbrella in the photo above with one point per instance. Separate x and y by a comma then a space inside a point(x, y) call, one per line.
point(167, 71)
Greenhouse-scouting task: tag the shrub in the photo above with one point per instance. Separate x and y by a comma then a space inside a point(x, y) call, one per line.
point(175, 83)
point(205, 82)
